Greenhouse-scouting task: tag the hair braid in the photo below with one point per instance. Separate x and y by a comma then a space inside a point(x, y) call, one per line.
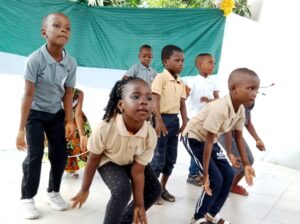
point(111, 109)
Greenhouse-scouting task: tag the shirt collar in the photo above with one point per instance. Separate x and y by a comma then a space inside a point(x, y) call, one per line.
point(144, 67)
point(170, 77)
point(123, 130)
point(232, 113)
point(50, 59)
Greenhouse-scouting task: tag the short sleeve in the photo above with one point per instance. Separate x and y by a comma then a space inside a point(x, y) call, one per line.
point(183, 95)
point(151, 141)
point(31, 68)
point(157, 84)
point(132, 71)
point(71, 79)
point(96, 142)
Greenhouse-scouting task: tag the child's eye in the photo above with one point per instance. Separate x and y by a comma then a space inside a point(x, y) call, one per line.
point(56, 25)
point(68, 28)
point(149, 98)
point(135, 97)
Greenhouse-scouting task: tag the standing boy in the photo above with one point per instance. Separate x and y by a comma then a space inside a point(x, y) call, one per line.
point(203, 89)
point(49, 78)
point(143, 70)
point(168, 100)
point(200, 139)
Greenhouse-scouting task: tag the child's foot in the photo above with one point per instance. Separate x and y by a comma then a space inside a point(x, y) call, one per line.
point(74, 175)
point(238, 189)
point(159, 201)
point(167, 196)
point(200, 221)
point(28, 209)
point(56, 201)
point(216, 220)
point(196, 180)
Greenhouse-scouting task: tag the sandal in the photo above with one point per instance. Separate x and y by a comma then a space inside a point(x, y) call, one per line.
point(196, 180)
point(217, 219)
point(74, 175)
point(200, 221)
point(167, 196)
point(159, 201)
point(238, 189)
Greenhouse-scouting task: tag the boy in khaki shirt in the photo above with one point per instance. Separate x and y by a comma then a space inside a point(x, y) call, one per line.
point(200, 139)
point(169, 98)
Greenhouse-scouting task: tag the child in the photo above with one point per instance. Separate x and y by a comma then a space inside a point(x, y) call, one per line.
point(202, 90)
point(143, 70)
point(77, 142)
point(49, 79)
point(200, 139)
point(120, 149)
point(228, 142)
point(169, 98)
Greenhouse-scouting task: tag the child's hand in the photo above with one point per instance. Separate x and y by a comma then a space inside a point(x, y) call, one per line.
point(20, 141)
point(181, 128)
point(69, 130)
point(160, 128)
point(260, 145)
point(204, 99)
point(235, 161)
point(139, 216)
point(206, 185)
point(80, 198)
point(249, 174)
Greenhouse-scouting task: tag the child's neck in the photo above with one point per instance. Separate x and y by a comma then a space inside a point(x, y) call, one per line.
point(132, 126)
point(203, 74)
point(55, 51)
point(173, 74)
point(236, 105)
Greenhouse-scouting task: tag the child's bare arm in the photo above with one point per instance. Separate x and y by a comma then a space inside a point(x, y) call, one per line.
point(160, 127)
point(249, 171)
point(259, 143)
point(67, 100)
point(138, 183)
point(210, 137)
point(80, 122)
point(25, 108)
point(88, 175)
point(183, 115)
point(236, 162)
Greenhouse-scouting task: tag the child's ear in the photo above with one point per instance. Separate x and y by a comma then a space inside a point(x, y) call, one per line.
point(121, 105)
point(43, 32)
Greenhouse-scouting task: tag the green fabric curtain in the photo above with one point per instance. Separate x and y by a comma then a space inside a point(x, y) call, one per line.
point(108, 37)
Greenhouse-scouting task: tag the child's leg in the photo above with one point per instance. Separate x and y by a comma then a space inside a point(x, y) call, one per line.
point(117, 179)
point(227, 175)
point(172, 124)
point(55, 131)
point(205, 202)
point(152, 192)
point(33, 162)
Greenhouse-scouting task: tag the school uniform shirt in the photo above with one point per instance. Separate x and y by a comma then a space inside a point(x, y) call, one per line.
point(200, 87)
point(140, 71)
point(217, 117)
point(118, 146)
point(171, 91)
point(50, 79)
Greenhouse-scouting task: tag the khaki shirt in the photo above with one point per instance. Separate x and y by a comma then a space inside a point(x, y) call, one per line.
point(217, 117)
point(117, 145)
point(171, 91)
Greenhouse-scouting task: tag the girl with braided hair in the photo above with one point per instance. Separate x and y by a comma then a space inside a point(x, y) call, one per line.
point(120, 149)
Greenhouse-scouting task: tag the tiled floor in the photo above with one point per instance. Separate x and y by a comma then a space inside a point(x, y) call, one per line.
point(274, 198)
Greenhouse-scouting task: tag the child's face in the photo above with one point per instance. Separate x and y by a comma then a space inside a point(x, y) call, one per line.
point(57, 30)
point(246, 91)
point(136, 103)
point(206, 65)
point(145, 56)
point(175, 63)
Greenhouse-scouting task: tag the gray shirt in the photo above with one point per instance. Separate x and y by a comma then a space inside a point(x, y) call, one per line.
point(140, 71)
point(50, 78)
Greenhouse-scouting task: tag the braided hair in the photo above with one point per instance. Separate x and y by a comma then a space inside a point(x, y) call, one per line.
point(112, 109)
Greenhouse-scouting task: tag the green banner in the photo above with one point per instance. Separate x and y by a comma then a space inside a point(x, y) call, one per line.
point(107, 37)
